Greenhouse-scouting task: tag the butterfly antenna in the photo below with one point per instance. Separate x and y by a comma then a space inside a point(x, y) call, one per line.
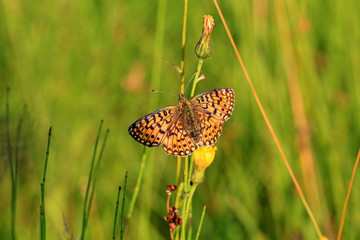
point(192, 78)
point(155, 91)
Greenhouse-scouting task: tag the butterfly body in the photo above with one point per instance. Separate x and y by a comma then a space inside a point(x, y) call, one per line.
point(182, 128)
point(189, 118)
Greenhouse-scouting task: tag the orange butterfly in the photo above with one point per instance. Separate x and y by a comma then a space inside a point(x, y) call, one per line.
point(182, 128)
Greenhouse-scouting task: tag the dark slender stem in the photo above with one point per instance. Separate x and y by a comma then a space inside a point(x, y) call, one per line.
point(122, 209)
point(42, 186)
point(116, 212)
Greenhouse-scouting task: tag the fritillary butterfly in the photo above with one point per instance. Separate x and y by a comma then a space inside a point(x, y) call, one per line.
point(182, 128)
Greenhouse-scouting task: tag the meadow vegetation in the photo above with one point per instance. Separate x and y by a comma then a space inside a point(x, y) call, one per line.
point(71, 64)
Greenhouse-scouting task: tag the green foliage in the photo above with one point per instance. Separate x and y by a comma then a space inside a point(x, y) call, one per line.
point(76, 62)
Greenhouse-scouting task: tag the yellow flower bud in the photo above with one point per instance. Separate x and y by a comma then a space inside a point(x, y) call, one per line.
point(204, 156)
point(203, 47)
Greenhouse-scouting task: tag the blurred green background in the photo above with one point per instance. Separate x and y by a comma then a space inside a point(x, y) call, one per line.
point(73, 63)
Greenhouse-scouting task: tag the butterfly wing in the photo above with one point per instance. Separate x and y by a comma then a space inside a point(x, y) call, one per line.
point(152, 129)
point(164, 126)
point(178, 141)
point(211, 109)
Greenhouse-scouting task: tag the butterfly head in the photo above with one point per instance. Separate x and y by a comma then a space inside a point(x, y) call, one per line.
point(181, 98)
point(183, 101)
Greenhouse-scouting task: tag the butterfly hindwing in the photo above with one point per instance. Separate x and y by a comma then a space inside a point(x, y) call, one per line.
point(178, 141)
point(210, 128)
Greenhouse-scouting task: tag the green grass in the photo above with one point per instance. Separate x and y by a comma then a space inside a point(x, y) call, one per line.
point(76, 62)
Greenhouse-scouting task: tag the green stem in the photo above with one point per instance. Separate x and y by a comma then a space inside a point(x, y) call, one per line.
point(95, 176)
point(14, 190)
point(42, 186)
point(89, 183)
point(196, 78)
point(158, 50)
point(201, 222)
point(178, 195)
point(8, 136)
point(186, 208)
point(11, 165)
point(186, 172)
point(190, 223)
point(122, 209)
point(183, 44)
point(116, 212)
point(137, 188)
point(178, 170)
point(177, 204)
point(42, 212)
point(190, 168)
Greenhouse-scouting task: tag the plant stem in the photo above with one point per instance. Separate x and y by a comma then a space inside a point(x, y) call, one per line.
point(137, 188)
point(198, 70)
point(183, 44)
point(158, 50)
point(42, 186)
point(186, 172)
point(14, 190)
point(95, 176)
point(201, 222)
point(116, 212)
point(190, 223)
point(180, 189)
point(11, 166)
point(186, 208)
point(178, 170)
point(122, 209)
point(84, 220)
point(190, 168)
point(347, 196)
point(179, 192)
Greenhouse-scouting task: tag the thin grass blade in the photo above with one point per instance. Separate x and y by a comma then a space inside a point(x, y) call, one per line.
point(85, 213)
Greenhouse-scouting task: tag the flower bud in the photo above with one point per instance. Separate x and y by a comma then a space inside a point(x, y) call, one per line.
point(203, 157)
point(203, 47)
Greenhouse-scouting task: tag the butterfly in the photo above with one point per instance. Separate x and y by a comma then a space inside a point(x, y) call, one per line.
point(180, 129)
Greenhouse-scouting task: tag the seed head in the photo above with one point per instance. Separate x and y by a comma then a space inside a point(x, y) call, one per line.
point(203, 47)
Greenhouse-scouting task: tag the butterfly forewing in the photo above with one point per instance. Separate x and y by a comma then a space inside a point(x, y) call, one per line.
point(218, 103)
point(152, 129)
point(211, 109)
